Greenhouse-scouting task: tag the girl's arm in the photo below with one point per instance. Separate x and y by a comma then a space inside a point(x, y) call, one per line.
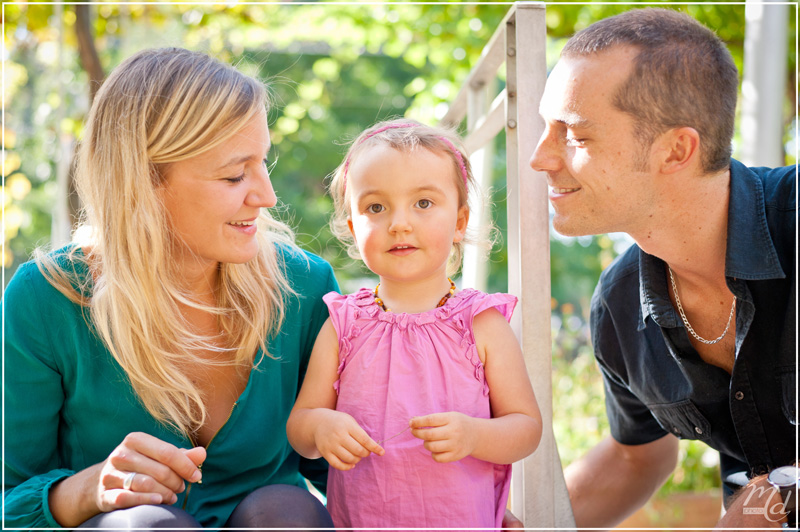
point(515, 428)
point(314, 428)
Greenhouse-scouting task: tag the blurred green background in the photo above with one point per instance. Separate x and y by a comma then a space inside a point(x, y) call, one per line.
point(334, 69)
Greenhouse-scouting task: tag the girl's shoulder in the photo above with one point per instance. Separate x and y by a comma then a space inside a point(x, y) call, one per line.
point(360, 303)
point(471, 302)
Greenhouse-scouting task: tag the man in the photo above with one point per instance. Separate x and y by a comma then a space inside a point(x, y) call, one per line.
point(693, 327)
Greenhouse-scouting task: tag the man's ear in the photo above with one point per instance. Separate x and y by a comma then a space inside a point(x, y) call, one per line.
point(679, 149)
point(461, 224)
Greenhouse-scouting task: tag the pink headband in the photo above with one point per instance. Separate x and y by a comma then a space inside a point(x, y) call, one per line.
point(449, 144)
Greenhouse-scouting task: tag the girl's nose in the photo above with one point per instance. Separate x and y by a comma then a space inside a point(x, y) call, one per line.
point(400, 223)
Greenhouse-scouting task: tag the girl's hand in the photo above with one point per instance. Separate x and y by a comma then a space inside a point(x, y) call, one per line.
point(449, 436)
point(342, 441)
point(160, 468)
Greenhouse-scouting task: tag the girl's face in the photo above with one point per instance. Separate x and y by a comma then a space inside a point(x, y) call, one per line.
point(213, 199)
point(404, 212)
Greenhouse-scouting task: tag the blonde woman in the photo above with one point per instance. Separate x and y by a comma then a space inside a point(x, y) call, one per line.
point(151, 370)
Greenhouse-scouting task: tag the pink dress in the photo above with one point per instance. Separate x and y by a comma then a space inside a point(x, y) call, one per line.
point(393, 367)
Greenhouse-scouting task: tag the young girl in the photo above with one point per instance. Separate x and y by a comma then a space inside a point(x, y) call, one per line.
point(416, 394)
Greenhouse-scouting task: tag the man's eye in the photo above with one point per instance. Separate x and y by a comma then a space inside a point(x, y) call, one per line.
point(572, 141)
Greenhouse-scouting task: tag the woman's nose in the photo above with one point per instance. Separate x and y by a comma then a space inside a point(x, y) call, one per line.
point(262, 193)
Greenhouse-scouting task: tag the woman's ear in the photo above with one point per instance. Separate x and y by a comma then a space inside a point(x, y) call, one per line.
point(461, 224)
point(680, 149)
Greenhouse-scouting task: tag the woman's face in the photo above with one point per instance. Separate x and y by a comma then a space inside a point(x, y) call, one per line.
point(213, 199)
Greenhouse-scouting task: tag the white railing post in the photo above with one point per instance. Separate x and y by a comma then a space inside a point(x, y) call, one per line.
point(543, 500)
point(538, 493)
point(474, 271)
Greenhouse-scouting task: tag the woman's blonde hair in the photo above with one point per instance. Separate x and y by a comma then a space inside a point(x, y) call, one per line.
point(158, 107)
point(406, 135)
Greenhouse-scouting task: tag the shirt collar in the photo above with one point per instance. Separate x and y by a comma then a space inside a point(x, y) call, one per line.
point(653, 293)
point(750, 252)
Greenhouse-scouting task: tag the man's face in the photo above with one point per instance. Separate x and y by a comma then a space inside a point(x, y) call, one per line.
point(597, 169)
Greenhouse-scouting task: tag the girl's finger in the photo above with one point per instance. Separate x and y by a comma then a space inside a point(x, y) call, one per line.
point(431, 420)
point(437, 446)
point(363, 445)
point(343, 454)
point(430, 434)
point(335, 463)
point(442, 457)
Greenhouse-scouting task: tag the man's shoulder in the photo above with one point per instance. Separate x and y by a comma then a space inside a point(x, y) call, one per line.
point(779, 184)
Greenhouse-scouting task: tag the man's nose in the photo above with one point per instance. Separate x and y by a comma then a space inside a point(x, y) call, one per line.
point(547, 155)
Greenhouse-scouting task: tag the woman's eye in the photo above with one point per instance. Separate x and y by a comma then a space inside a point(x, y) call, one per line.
point(236, 179)
point(424, 204)
point(269, 163)
point(375, 208)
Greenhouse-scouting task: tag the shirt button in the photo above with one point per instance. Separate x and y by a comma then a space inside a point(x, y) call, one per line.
point(698, 430)
point(739, 396)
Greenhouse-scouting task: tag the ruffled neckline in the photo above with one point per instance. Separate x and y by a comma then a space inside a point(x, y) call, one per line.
point(365, 300)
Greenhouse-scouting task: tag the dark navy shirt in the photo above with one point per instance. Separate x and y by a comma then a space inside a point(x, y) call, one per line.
point(655, 381)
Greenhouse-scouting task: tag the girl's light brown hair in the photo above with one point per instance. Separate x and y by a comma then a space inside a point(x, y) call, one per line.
point(158, 107)
point(405, 135)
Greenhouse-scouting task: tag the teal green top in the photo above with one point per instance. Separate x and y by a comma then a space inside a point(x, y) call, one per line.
point(68, 404)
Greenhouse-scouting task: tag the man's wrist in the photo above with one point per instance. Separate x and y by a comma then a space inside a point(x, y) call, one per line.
point(759, 498)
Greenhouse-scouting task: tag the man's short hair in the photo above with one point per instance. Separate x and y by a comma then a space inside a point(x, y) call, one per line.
point(683, 76)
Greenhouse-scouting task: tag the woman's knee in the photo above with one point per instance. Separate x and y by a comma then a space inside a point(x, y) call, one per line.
point(143, 517)
point(280, 506)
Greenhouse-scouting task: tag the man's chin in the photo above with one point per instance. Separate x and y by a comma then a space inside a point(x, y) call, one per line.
point(565, 228)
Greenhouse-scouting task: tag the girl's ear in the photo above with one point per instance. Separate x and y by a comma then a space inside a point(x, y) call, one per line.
point(350, 226)
point(461, 224)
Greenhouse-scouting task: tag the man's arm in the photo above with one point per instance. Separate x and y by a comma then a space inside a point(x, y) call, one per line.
point(613, 480)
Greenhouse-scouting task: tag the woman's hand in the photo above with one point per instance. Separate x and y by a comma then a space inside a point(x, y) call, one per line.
point(449, 436)
point(160, 471)
point(341, 440)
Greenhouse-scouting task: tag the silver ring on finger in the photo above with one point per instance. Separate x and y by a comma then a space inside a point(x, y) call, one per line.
point(126, 484)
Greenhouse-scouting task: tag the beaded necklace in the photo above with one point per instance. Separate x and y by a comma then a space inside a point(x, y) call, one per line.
point(448, 295)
